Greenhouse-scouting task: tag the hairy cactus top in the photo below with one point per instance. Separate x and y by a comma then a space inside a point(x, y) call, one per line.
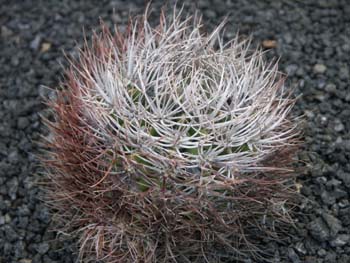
point(173, 129)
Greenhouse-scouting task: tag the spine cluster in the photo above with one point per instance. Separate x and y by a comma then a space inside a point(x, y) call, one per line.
point(170, 144)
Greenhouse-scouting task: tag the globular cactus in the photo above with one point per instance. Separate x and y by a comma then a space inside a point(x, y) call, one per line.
point(170, 145)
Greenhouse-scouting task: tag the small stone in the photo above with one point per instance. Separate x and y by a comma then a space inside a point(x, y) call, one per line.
point(301, 72)
point(12, 187)
point(346, 47)
point(7, 248)
point(22, 123)
point(309, 114)
point(325, 3)
point(210, 13)
point(291, 69)
point(347, 97)
point(339, 127)
point(339, 193)
point(347, 145)
point(6, 32)
point(320, 96)
point(345, 177)
point(321, 83)
point(300, 247)
point(35, 42)
point(2, 220)
point(13, 156)
point(331, 257)
point(333, 182)
point(288, 38)
point(321, 180)
point(327, 198)
point(42, 248)
point(321, 252)
point(344, 73)
point(343, 203)
point(333, 223)
point(298, 187)
point(320, 68)
point(7, 218)
point(10, 233)
point(25, 260)
point(293, 256)
point(19, 249)
point(319, 230)
point(269, 43)
point(340, 240)
point(23, 210)
point(45, 47)
point(344, 259)
point(44, 215)
point(331, 88)
point(23, 222)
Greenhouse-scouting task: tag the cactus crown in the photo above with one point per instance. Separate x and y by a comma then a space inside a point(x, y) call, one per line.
point(168, 94)
point(173, 129)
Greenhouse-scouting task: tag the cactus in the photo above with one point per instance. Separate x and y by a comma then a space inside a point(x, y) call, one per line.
point(171, 145)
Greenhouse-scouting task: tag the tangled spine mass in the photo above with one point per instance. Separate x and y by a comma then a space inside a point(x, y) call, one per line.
point(170, 145)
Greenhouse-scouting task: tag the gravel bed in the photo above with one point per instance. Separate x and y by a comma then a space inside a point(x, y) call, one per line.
point(311, 37)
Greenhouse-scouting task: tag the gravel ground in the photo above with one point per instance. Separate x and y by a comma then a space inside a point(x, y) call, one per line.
point(313, 40)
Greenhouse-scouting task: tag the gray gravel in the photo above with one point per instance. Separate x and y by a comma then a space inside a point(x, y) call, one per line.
point(311, 37)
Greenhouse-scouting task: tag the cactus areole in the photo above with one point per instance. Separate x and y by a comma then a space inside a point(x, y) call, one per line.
point(171, 145)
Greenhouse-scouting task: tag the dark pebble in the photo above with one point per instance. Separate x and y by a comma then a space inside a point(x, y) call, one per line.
point(42, 248)
point(340, 240)
point(293, 256)
point(319, 230)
